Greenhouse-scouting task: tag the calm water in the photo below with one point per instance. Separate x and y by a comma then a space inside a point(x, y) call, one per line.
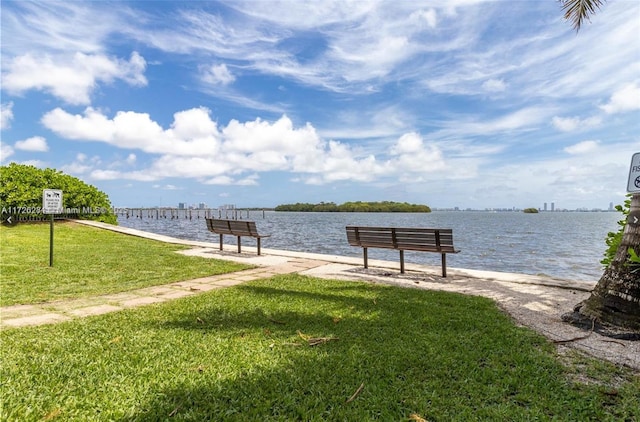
point(561, 245)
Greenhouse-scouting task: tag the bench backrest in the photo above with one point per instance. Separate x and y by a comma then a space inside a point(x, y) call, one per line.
point(233, 227)
point(412, 239)
point(243, 228)
point(218, 226)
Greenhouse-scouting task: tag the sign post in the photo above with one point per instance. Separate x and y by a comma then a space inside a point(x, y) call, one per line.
point(633, 185)
point(51, 204)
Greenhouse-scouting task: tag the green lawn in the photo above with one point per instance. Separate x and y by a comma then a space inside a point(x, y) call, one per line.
point(89, 261)
point(243, 354)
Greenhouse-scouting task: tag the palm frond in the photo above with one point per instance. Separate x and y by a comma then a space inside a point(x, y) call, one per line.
point(577, 11)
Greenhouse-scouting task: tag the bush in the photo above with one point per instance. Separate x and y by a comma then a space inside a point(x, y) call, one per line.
point(614, 238)
point(22, 187)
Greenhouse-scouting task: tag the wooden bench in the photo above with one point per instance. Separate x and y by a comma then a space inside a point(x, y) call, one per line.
point(236, 228)
point(403, 239)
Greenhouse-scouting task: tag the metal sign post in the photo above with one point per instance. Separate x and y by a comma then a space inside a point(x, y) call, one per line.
point(633, 185)
point(51, 204)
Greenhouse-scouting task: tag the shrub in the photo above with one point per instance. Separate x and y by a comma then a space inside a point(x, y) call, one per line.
point(22, 187)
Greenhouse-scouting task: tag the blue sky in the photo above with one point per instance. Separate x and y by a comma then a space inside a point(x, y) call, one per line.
point(257, 103)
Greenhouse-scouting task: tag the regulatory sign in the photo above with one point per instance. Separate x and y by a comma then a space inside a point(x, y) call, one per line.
point(51, 201)
point(634, 174)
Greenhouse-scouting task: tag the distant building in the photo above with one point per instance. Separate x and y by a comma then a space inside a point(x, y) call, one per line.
point(182, 206)
point(545, 206)
point(610, 206)
point(553, 206)
point(202, 206)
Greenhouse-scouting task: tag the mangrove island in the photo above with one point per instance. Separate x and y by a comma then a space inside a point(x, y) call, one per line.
point(359, 206)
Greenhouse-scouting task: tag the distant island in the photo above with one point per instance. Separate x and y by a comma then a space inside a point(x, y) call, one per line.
point(359, 206)
point(530, 210)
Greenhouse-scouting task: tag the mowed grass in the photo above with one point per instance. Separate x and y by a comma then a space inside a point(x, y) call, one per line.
point(245, 353)
point(89, 261)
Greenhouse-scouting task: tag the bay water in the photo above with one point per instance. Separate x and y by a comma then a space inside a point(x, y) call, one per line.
point(565, 245)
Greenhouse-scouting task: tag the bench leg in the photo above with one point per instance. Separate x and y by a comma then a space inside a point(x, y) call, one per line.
point(401, 261)
point(220, 242)
point(258, 246)
point(366, 262)
point(444, 265)
point(238, 244)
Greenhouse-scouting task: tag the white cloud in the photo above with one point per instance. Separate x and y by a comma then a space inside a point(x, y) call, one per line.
point(6, 151)
point(412, 158)
point(140, 176)
point(81, 165)
point(194, 147)
point(6, 115)
point(33, 144)
point(518, 120)
point(223, 180)
point(571, 124)
point(71, 79)
point(494, 85)
point(61, 26)
point(76, 168)
point(582, 147)
point(220, 180)
point(625, 99)
point(570, 180)
point(217, 75)
point(35, 163)
point(428, 16)
point(251, 180)
point(192, 133)
point(166, 187)
point(362, 41)
point(409, 143)
point(334, 162)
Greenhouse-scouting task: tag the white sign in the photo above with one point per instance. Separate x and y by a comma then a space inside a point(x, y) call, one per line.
point(633, 185)
point(51, 201)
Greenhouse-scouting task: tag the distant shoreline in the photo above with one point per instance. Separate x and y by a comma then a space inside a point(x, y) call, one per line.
point(358, 206)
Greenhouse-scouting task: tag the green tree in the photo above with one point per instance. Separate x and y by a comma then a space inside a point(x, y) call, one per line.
point(358, 206)
point(21, 189)
point(616, 298)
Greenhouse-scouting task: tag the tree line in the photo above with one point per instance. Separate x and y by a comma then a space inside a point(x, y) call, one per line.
point(22, 186)
point(358, 206)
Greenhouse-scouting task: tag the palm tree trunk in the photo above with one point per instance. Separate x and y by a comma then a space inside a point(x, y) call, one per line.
point(616, 298)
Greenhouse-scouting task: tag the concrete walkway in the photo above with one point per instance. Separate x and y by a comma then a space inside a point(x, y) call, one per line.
point(65, 310)
point(532, 301)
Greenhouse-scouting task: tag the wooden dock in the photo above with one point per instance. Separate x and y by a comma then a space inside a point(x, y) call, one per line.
point(140, 213)
point(188, 213)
